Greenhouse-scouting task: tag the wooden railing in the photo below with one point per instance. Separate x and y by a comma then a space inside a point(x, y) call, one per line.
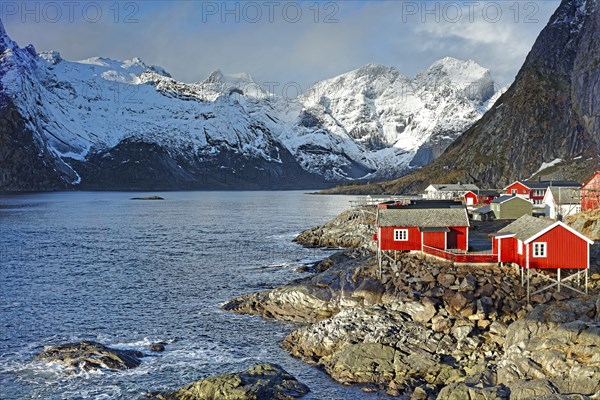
point(470, 258)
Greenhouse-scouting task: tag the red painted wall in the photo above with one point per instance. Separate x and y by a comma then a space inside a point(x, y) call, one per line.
point(590, 193)
point(457, 238)
point(564, 250)
point(508, 249)
point(388, 242)
point(521, 189)
point(435, 239)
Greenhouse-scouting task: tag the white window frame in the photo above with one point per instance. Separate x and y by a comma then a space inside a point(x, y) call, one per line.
point(400, 235)
point(514, 191)
point(540, 249)
point(519, 247)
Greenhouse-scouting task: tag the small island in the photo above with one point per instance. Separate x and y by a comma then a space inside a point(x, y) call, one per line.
point(147, 198)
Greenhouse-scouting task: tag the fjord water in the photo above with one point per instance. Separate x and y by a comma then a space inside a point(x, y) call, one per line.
point(99, 266)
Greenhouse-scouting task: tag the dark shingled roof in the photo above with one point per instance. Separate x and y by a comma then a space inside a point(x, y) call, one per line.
point(430, 204)
point(482, 210)
point(526, 226)
point(488, 192)
point(547, 184)
point(454, 187)
point(423, 217)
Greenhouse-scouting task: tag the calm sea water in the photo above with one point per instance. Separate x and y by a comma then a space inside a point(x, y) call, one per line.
point(98, 266)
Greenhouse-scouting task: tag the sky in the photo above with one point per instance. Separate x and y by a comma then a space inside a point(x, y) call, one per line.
point(284, 42)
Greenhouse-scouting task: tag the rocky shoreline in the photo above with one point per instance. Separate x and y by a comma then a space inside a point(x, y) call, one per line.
point(431, 330)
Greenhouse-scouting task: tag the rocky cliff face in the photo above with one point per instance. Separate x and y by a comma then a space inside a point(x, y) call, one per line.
point(550, 112)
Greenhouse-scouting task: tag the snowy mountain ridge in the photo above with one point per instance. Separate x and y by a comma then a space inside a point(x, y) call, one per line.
point(372, 122)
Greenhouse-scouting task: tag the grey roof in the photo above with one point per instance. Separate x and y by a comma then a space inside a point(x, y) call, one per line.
point(505, 198)
point(526, 226)
point(489, 192)
point(423, 217)
point(482, 210)
point(451, 187)
point(547, 184)
point(566, 195)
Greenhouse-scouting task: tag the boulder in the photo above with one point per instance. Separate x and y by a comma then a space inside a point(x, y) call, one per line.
point(533, 389)
point(362, 363)
point(462, 391)
point(260, 382)
point(88, 355)
point(446, 280)
point(158, 347)
point(555, 342)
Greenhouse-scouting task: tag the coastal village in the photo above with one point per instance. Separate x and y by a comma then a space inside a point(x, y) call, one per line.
point(529, 215)
point(456, 293)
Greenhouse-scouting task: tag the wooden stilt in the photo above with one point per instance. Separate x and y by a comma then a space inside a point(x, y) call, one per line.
point(522, 277)
point(380, 262)
point(527, 285)
point(586, 279)
point(558, 279)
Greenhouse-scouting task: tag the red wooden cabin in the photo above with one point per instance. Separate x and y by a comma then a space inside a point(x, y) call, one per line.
point(406, 228)
point(471, 198)
point(590, 193)
point(535, 243)
point(517, 188)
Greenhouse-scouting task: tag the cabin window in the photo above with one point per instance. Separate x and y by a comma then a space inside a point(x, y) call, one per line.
point(539, 249)
point(520, 247)
point(514, 191)
point(401, 235)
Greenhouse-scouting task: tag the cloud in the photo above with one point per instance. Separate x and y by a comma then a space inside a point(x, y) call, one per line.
point(286, 42)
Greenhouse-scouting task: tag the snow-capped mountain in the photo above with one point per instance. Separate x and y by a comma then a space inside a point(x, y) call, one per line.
point(376, 121)
point(102, 123)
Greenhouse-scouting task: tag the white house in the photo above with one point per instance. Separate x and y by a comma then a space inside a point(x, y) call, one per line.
point(561, 202)
point(448, 191)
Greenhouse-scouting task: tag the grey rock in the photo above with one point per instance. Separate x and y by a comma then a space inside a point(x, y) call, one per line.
point(87, 355)
point(260, 382)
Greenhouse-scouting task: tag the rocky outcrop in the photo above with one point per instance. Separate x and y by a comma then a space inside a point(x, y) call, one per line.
point(260, 382)
point(426, 327)
point(87, 355)
point(377, 345)
point(587, 223)
point(349, 282)
point(482, 295)
point(351, 229)
point(559, 343)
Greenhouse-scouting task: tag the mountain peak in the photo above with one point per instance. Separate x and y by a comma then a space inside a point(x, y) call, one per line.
point(215, 77)
point(5, 41)
point(53, 57)
point(457, 69)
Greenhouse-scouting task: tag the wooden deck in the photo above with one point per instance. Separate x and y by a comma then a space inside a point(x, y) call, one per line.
point(462, 258)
